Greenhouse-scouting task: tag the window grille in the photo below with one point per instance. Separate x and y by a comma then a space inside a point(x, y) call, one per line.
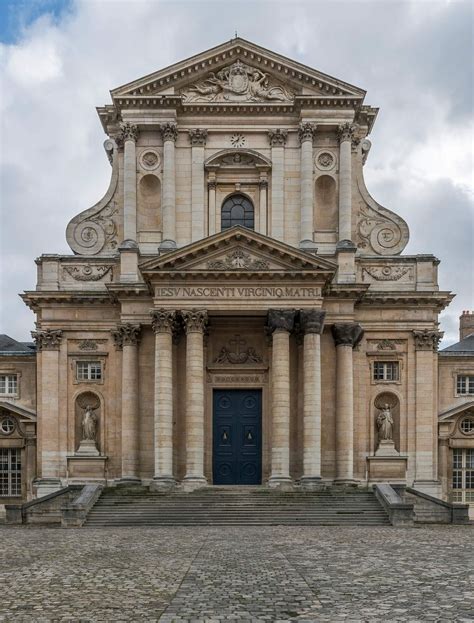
point(465, 384)
point(463, 476)
point(10, 472)
point(237, 210)
point(386, 371)
point(8, 384)
point(89, 371)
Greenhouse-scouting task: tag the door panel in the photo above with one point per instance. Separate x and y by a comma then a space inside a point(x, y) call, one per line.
point(237, 437)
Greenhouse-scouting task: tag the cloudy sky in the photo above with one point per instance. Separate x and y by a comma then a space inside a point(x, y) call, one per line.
point(59, 58)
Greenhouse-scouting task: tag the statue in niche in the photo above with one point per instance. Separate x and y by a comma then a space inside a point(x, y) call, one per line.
point(385, 423)
point(89, 424)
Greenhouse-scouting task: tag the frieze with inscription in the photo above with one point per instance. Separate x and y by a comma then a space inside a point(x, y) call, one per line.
point(237, 292)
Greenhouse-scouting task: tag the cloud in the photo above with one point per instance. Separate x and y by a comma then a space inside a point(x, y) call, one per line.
point(413, 58)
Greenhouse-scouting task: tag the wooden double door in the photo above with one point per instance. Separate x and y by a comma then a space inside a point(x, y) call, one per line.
point(237, 437)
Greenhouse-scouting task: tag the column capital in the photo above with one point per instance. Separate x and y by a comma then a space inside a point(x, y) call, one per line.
point(277, 137)
point(128, 132)
point(280, 320)
point(349, 334)
point(162, 320)
point(198, 137)
point(169, 131)
point(126, 334)
point(49, 339)
point(346, 131)
point(212, 184)
point(263, 183)
point(427, 340)
point(306, 131)
point(195, 320)
point(312, 320)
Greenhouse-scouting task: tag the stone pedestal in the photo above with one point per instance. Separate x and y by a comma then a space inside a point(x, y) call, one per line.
point(386, 448)
point(387, 468)
point(87, 447)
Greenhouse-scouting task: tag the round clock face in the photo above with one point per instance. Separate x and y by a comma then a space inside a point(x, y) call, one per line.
point(237, 140)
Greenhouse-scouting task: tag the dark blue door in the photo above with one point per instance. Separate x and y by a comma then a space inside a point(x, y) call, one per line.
point(237, 437)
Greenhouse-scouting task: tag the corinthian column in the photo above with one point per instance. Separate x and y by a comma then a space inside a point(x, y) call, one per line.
point(426, 409)
point(169, 133)
point(127, 337)
point(346, 337)
point(198, 141)
point(346, 134)
point(306, 133)
point(312, 325)
point(162, 324)
point(129, 137)
point(280, 323)
point(195, 322)
point(277, 140)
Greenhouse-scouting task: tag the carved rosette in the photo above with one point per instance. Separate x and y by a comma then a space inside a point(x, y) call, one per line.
point(126, 335)
point(280, 320)
point(169, 131)
point(198, 137)
point(349, 334)
point(195, 320)
point(312, 320)
point(129, 132)
point(427, 340)
point(162, 320)
point(306, 131)
point(50, 339)
point(277, 137)
point(346, 131)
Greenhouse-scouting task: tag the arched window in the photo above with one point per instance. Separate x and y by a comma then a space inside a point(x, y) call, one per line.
point(237, 210)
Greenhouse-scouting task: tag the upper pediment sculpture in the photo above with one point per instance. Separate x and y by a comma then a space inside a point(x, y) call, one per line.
point(235, 83)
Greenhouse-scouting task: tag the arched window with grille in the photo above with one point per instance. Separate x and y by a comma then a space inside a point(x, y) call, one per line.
point(237, 210)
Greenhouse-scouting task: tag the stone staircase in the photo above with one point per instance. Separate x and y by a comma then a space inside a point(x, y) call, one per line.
point(237, 506)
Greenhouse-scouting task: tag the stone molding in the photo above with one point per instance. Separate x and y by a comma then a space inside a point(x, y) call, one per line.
point(346, 132)
point(169, 131)
point(312, 320)
point(162, 320)
point(280, 320)
point(126, 335)
point(427, 340)
point(198, 137)
point(277, 137)
point(49, 339)
point(86, 272)
point(128, 132)
point(195, 320)
point(349, 334)
point(306, 131)
point(263, 184)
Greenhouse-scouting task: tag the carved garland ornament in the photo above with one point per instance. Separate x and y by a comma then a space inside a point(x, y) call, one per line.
point(387, 273)
point(87, 273)
point(238, 260)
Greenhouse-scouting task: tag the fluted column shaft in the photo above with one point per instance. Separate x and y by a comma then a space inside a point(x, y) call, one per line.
point(280, 323)
point(306, 133)
point(198, 142)
point(195, 323)
point(312, 324)
point(162, 324)
point(277, 140)
point(346, 336)
point(169, 133)
point(346, 133)
point(129, 137)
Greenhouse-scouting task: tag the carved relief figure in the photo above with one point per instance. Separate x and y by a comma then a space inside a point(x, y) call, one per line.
point(237, 82)
point(385, 423)
point(89, 424)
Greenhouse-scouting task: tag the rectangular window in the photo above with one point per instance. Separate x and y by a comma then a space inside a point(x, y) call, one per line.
point(465, 384)
point(462, 485)
point(88, 370)
point(8, 384)
point(10, 472)
point(386, 371)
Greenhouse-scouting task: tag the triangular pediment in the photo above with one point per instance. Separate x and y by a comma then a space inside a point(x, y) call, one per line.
point(466, 407)
point(238, 70)
point(23, 412)
point(240, 250)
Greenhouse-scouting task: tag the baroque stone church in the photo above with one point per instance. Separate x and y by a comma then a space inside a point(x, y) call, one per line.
point(238, 308)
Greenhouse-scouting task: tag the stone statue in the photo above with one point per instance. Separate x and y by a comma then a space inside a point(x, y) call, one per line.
point(385, 424)
point(89, 424)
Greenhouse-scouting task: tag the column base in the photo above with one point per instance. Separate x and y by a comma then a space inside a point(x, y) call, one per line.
point(128, 481)
point(345, 482)
point(308, 245)
point(312, 483)
point(191, 483)
point(283, 483)
point(162, 484)
point(167, 245)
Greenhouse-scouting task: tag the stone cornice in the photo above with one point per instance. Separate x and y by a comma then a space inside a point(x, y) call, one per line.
point(436, 300)
point(35, 300)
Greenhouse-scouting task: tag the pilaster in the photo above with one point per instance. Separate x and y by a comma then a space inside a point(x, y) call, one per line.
point(306, 134)
point(169, 132)
point(277, 140)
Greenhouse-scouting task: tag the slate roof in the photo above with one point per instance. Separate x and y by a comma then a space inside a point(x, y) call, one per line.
point(464, 348)
point(9, 346)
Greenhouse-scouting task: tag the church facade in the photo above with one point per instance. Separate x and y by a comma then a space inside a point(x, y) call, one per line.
point(238, 308)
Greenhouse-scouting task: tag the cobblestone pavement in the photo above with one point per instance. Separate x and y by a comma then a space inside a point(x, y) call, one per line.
point(374, 574)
